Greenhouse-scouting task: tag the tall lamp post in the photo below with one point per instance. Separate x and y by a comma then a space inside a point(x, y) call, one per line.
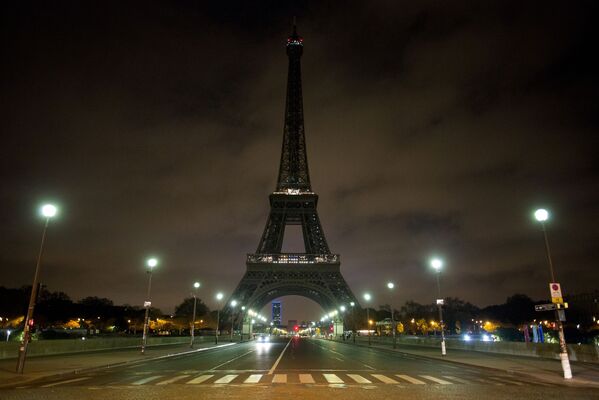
point(196, 286)
point(353, 317)
point(233, 305)
point(219, 297)
point(542, 215)
point(48, 211)
point(367, 297)
point(391, 285)
point(243, 317)
point(151, 263)
point(437, 265)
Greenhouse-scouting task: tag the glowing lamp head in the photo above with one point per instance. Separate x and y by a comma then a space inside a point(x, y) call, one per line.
point(352, 304)
point(342, 308)
point(49, 210)
point(196, 285)
point(541, 215)
point(437, 264)
point(233, 303)
point(390, 285)
point(219, 296)
point(152, 262)
point(367, 296)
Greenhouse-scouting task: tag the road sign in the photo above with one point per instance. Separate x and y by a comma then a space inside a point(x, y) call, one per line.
point(545, 307)
point(561, 314)
point(147, 304)
point(556, 293)
point(440, 302)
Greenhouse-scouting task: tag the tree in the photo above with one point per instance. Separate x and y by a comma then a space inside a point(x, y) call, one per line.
point(185, 309)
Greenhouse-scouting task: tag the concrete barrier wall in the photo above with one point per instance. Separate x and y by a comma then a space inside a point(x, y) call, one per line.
point(65, 346)
point(582, 352)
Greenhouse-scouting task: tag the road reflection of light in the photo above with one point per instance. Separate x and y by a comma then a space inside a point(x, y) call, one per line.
point(263, 348)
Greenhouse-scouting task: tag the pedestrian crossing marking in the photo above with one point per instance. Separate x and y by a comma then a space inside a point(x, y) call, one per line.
point(306, 378)
point(358, 378)
point(332, 378)
point(355, 378)
point(226, 379)
point(411, 380)
point(460, 380)
point(254, 378)
point(199, 379)
point(146, 380)
point(172, 380)
point(384, 379)
point(439, 381)
point(67, 381)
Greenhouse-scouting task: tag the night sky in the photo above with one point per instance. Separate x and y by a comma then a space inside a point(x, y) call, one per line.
point(433, 128)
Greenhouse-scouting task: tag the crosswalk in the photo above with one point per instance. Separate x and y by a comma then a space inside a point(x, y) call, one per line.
point(320, 378)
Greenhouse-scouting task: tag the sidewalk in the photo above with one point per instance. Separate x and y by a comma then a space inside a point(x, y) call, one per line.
point(543, 369)
point(43, 366)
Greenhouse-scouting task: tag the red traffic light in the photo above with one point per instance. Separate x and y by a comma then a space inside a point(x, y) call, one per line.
point(296, 328)
point(31, 322)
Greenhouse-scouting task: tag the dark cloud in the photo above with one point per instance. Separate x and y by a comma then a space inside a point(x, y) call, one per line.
point(432, 128)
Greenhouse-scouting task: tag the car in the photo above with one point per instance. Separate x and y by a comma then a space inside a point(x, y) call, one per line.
point(263, 338)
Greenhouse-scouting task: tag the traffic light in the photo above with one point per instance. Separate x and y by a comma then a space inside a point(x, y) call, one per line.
point(296, 328)
point(31, 322)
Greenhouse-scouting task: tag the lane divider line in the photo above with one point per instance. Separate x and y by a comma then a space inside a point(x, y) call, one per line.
point(231, 360)
point(274, 366)
point(67, 381)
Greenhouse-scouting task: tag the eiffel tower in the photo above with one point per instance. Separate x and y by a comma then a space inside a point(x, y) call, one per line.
point(316, 273)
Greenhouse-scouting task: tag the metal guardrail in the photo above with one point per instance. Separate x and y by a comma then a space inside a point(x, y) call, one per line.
point(292, 258)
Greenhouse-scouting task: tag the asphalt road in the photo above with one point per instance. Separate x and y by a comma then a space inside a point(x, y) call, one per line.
point(286, 368)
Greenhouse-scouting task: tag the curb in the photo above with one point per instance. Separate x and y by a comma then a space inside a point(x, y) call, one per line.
point(115, 365)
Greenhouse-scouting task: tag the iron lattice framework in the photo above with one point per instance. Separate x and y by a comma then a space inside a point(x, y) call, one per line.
point(314, 274)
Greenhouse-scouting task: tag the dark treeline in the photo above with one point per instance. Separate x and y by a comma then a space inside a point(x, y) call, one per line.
point(57, 309)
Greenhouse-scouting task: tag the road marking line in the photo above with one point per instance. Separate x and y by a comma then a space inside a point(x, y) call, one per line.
point(368, 366)
point(199, 379)
point(226, 379)
point(411, 380)
point(332, 378)
point(358, 378)
point(306, 378)
point(460, 380)
point(254, 378)
point(384, 379)
point(507, 381)
point(337, 358)
point(65, 382)
point(146, 380)
point(274, 366)
point(175, 379)
point(280, 378)
point(440, 381)
point(231, 360)
point(491, 382)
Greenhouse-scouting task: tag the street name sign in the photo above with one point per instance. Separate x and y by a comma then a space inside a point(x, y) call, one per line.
point(545, 307)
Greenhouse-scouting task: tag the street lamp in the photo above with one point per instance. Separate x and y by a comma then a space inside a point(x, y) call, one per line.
point(233, 304)
point(151, 263)
point(48, 211)
point(219, 297)
point(353, 317)
point(437, 265)
point(391, 285)
point(367, 298)
point(243, 317)
point(196, 286)
point(542, 215)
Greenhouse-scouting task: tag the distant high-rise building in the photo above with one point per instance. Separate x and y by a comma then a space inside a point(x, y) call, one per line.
point(276, 313)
